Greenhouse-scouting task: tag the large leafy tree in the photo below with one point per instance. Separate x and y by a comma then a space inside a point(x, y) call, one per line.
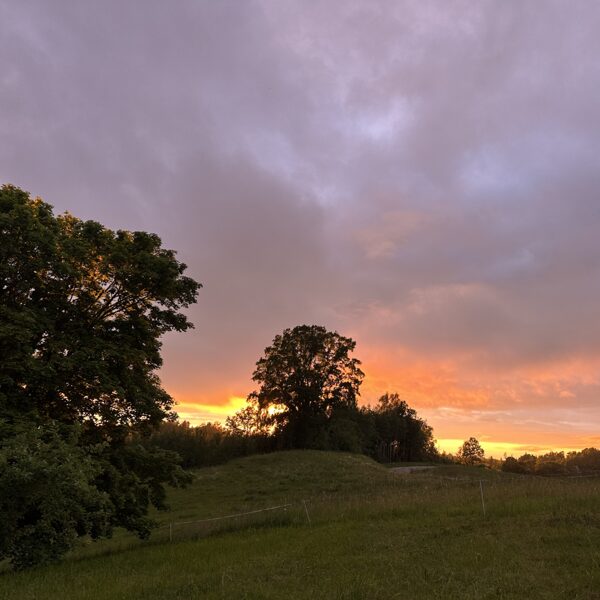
point(305, 376)
point(82, 311)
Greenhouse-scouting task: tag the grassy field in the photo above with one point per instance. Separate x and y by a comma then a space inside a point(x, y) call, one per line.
point(369, 533)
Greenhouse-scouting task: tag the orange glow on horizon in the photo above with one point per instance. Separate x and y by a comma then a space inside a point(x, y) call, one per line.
point(199, 413)
point(510, 411)
point(500, 449)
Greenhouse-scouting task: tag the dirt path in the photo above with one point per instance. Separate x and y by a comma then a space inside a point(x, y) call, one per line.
point(407, 470)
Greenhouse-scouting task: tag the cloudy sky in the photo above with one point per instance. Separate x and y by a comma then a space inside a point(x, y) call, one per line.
point(421, 176)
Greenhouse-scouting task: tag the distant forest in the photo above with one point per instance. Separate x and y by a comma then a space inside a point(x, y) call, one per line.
point(306, 397)
point(212, 444)
point(555, 463)
point(389, 432)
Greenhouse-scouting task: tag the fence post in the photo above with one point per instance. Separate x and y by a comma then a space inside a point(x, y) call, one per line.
point(306, 510)
point(482, 500)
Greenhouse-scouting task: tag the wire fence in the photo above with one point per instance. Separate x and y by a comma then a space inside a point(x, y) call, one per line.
point(493, 496)
point(289, 513)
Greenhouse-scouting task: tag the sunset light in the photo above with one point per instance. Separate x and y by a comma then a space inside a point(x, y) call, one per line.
point(450, 230)
point(299, 299)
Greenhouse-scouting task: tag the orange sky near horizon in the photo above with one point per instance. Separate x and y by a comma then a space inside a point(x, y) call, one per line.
point(512, 400)
point(494, 444)
point(501, 410)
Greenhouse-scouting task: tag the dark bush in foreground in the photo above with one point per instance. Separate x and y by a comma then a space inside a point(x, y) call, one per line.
point(47, 497)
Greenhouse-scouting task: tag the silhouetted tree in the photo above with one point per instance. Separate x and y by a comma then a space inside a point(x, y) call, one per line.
point(398, 434)
point(82, 311)
point(471, 452)
point(512, 465)
point(307, 374)
point(528, 462)
point(586, 460)
point(551, 463)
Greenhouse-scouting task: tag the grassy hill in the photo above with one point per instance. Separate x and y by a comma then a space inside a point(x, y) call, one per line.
point(369, 533)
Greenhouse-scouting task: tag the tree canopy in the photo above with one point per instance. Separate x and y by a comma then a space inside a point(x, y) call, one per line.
point(304, 376)
point(400, 434)
point(471, 452)
point(82, 311)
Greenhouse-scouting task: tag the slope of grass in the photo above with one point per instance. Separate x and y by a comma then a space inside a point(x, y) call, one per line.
point(373, 534)
point(264, 479)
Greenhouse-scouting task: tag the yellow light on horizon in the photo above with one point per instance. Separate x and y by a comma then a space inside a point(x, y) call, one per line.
point(499, 449)
point(197, 413)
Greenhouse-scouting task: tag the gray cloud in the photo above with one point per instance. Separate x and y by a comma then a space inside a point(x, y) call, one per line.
point(422, 175)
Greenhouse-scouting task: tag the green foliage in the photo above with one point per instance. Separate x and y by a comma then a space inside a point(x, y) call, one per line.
point(134, 476)
point(550, 468)
point(48, 496)
point(528, 462)
point(344, 432)
point(391, 431)
point(470, 452)
point(207, 444)
point(304, 376)
point(373, 534)
point(552, 463)
point(82, 310)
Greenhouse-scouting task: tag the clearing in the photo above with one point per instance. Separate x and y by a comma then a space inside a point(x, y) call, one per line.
point(353, 530)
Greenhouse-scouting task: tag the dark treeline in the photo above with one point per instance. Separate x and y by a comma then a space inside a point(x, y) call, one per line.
point(207, 444)
point(390, 431)
point(555, 463)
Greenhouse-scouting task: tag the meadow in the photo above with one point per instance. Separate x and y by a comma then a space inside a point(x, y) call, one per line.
point(354, 529)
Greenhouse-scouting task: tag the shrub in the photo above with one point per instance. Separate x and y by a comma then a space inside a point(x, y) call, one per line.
point(47, 497)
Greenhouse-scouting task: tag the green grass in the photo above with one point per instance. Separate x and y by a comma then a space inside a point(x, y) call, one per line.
point(373, 534)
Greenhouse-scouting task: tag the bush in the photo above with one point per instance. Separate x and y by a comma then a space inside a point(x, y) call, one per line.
point(512, 465)
point(47, 497)
point(549, 468)
point(345, 434)
point(528, 462)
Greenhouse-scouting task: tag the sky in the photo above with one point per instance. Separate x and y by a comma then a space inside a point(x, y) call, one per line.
point(421, 176)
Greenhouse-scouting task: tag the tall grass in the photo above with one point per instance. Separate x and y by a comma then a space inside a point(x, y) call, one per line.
point(372, 534)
